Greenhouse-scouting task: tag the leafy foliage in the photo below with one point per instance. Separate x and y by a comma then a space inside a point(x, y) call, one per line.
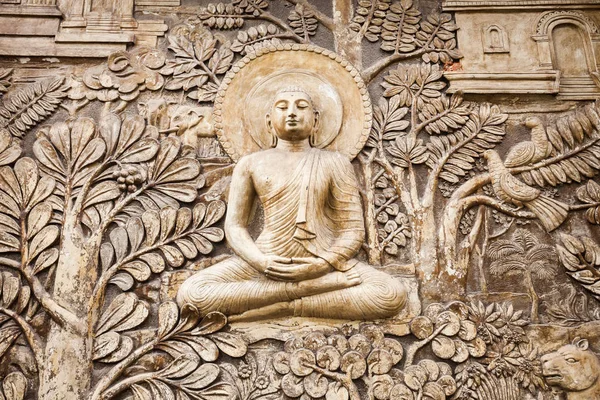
point(369, 18)
point(25, 215)
point(255, 38)
point(509, 363)
point(303, 21)
point(581, 258)
point(124, 76)
point(417, 83)
point(191, 345)
point(576, 149)
point(455, 154)
point(10, 148)
point(310, 367)
point(400, 26)
point(28, 106)
point(125, 312)
point(5, 79)
point(590, 194)
point(14, 297)
point(199, 59)
point(142, 246)
point(452, 334)
point(523, 252)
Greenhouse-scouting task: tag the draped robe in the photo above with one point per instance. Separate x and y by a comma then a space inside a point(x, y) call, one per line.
point(316, 212)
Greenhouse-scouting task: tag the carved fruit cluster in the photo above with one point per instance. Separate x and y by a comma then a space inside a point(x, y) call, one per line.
point(129, 178)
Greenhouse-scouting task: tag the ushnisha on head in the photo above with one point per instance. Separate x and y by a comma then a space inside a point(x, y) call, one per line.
point(293, 116)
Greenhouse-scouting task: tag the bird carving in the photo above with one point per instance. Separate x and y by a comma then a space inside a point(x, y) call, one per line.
point(530, 152)
point(509, 189)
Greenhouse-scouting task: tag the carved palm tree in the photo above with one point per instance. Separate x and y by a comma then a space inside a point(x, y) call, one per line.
point(524, 254)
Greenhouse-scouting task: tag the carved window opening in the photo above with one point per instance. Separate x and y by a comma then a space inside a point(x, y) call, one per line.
point(567, 43)
point(495, 40)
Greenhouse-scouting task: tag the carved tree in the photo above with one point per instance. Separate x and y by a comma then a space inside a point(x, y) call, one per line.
point(83, 180)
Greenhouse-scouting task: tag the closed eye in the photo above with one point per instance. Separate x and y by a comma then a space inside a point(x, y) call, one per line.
point(572, 360)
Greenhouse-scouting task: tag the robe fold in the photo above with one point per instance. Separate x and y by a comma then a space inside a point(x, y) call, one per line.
point(317, 212)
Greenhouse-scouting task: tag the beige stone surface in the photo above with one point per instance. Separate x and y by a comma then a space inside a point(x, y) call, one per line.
point(299, 199)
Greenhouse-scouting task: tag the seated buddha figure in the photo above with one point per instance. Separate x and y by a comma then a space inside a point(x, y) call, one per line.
point(302, 262)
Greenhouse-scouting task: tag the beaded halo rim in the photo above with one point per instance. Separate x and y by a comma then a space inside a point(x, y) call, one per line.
point(354, 73)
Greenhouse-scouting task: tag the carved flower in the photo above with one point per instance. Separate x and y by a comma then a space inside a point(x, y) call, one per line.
point(262, 382)
point(244, 371)
point(124, 76)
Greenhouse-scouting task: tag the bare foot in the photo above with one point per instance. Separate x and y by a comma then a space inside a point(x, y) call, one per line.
point(277, 310)
point(327, 283)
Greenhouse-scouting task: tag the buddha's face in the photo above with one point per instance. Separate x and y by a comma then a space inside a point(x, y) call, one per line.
point(292, 116)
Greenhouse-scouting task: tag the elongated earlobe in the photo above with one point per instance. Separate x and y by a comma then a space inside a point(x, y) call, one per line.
point(313, 139)
point(273, 142)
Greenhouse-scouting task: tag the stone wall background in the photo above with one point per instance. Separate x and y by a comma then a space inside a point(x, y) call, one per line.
point(488, 309)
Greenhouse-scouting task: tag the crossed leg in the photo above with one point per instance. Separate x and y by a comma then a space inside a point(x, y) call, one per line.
point(297, 290)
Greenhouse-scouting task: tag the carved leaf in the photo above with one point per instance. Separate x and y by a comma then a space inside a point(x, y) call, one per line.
point(5, 79)
point(230, 344)
point(400, 26)
point(43, 240)
point(227, 16)
point(27, 107)
point(201, 377)
point(576, 150)
point(581, 258)
point(125, 312)
point(123, 350)
point(105, 344)
point(590, 194)
point(177, 235)
point(172, 176)
point(14, 386)
point(9, 333)
point(369, 17)
point(168, 315)
point(303, 21)
point(256, 38)
point(180, 367)
point(10, 149)
point(453, 155)
point(438, 34)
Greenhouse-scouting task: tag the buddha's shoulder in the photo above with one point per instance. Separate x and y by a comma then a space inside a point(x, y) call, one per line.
point(256, 159)
point(334, 157)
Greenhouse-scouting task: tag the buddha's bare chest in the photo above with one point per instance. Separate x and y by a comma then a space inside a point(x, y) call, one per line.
point(274, 171)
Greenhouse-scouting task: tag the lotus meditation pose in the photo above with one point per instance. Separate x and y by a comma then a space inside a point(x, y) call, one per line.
point(302, 263)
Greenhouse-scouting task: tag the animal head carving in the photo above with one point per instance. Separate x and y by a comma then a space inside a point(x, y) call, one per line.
point(573, 367)
point(532, 122)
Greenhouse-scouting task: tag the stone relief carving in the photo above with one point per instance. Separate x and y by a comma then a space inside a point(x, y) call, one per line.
point(495, 39)
point(389, 236)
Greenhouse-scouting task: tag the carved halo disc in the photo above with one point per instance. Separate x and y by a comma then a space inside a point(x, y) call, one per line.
point(335, 86)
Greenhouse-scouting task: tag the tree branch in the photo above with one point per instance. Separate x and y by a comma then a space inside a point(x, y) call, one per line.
point(60, 314)
point(34, 340)
point(115, 371)
point(496, 204)
point(372, 71)
point(125, 384)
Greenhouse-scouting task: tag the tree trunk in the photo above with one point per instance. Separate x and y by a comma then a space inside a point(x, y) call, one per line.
point(424, 249)
point(452, 270)
point(68, 353)
point(347, 42)
point(67, 373)
point(534, 297)
point(374, 253)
